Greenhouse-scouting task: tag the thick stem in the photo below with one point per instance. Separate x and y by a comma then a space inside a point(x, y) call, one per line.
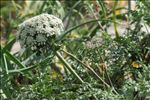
point(72, 71)
point(69, 67)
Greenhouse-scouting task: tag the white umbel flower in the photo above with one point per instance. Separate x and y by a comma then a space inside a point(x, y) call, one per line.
point(38, 31)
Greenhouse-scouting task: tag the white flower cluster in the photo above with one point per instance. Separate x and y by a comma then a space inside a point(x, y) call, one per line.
point(94, 42)
point(38, 31)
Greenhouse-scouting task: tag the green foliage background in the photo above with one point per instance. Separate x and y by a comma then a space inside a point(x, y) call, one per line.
point(110, 68)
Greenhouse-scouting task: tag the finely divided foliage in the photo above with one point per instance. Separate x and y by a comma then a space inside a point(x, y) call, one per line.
point(85, 56)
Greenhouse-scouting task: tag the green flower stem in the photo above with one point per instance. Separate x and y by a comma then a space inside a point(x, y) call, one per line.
point(14, 59)
point(114, 19)
point(21, 70)
point(70, 13)
point(115, 25)
point(93, 13)
point(68, 66)
point(72, 71)
point(75, 27)
point(28, 68)
point(88, 67)
point(102, 4)
point(5, 63)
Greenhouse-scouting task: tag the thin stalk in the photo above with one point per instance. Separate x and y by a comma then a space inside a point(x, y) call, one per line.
point(8, 45)
point(111, 82)
point(21, 70)
point(69, 67)
point(147, 29)
point(92, 32)
point(102, 60)
point(72, 71)
point(14, 59)
point(129, 7)
point(114, 19)
point(93, 13)
point(88, 67)
point(70, 12)
point(69, 30)
point(101, 2)
point(5, 63)
point(128, 18)
point(41, 8)
point(28, 68)
point(77, 26)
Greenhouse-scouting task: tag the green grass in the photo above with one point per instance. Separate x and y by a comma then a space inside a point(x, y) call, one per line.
point(113, 69)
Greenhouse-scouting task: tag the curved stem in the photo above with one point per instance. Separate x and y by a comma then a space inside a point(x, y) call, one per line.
point(72, 28)
point(69, 30)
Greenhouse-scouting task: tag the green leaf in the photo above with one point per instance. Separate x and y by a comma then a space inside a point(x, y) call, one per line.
point(8, 46)
point(14, 59)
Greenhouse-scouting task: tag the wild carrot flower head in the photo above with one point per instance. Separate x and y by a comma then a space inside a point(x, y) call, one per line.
point(38, 32)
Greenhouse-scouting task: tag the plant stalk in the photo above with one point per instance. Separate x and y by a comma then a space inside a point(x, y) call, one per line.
point(69, 67)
